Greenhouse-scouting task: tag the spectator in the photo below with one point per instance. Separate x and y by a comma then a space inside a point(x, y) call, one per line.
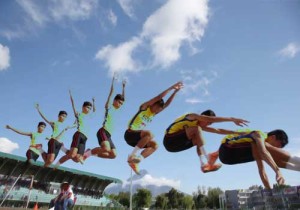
point(65, 199)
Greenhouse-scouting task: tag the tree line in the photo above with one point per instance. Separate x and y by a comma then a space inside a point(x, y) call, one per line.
point(202, 198)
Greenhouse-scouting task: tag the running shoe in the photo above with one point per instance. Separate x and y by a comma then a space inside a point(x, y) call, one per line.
point(135, 167)
point(212, 157)
point(209, 168)
point(81, 160)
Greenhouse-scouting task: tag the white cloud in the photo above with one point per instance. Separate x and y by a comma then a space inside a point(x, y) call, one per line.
point(73, 10)
point(12, 34)
point(4, 57)
point(33, 11)
point(7, 146)
point(194, 101)
point(119, 59)
point(112, 17)
point(197, 82)
point(168, 29)
point(127, 6)
point(290, 50)
point(39, 13)
point(150, 180)
point(173, 25)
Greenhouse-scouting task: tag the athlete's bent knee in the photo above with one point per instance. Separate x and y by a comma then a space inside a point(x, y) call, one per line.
point(153, 145)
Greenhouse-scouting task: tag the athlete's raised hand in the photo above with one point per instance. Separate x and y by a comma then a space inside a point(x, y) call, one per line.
point(240, 122)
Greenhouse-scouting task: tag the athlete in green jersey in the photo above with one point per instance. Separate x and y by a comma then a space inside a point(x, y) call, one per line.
point(106, 148)
point(35, 147)
point(55, 144)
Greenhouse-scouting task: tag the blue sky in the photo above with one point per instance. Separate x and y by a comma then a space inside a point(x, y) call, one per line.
point(240, 59)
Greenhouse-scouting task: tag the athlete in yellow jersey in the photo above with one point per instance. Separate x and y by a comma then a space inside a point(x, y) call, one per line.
point(35, 148)
point(186, 132)
point(139, 138)
point(259, 146)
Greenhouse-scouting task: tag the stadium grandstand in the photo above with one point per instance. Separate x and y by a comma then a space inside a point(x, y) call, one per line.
point(22, 185)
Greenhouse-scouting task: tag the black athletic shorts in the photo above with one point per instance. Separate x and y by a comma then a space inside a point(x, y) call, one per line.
point(177, 142)
point(133, 137)
point(31, 155)
point(104, 135)
point(235, 153)
point(79, 140)
point(54, 147)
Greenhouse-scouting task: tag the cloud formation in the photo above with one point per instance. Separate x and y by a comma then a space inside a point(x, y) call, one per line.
point(7, 145)
point(33, 11)
point(172, 25)
point(150, 180)
point(73, 10)
point(112, 17)
point(4, 57)
point(196, 83)
point(290, 51)
point(165, 32)
point(127, 7)
point(118, 59)
point(39, 13)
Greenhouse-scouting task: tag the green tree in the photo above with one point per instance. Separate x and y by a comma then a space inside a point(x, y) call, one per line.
point(123, 198)
point(200, 198)
point(174, 198)
point(142, 198)
point(213, 197)
point(161, 202)
point(187, 202)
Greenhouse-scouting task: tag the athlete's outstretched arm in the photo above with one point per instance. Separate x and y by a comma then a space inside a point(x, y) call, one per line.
point(110, 93)
point(123, 88)
point(221, 131)
point(212, 119)
point(266, 156)
point(170, 99)
point(160, 96)
point(37, 106)
point(73, 105)
point(261, 169)
point(94, 107)
point(18, 131)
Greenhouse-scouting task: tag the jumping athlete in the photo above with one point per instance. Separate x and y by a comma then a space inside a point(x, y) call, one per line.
point(56, 141)
point(138, 138)
point(107, 148)
point(186, 132)
point(80, 136)
point(35, 147)
point(258, 146)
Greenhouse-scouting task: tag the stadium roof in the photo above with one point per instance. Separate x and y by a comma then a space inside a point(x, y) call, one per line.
point(12, 165)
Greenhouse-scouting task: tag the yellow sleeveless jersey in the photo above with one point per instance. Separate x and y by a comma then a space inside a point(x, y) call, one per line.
point(141, 119)
point(238, 138)
point(180, 124)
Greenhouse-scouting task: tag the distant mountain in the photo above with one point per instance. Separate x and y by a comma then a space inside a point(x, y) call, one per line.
point(157, 186)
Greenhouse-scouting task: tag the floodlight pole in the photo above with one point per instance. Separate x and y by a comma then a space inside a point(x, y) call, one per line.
point(130, 201)
point(10, 189)
point(29, 193)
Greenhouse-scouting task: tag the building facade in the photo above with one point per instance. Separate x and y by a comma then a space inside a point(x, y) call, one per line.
point(287, 198)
